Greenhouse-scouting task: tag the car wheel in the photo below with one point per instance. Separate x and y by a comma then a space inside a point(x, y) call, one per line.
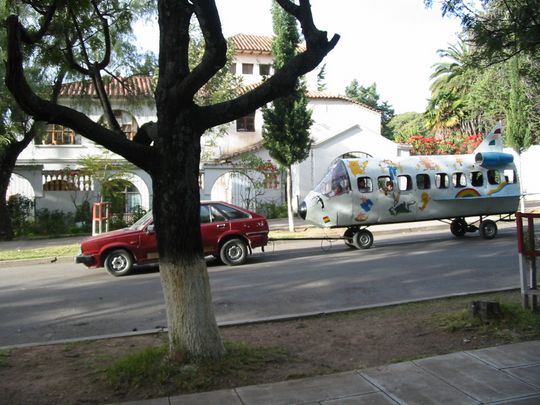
point(458, 227)
point(119, 262)
point(233, 252)
point(363, 239)
point(488, 229)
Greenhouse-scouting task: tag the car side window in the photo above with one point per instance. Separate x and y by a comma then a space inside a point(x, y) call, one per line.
point(217, 215)
point(205, 214)
point(229, 212)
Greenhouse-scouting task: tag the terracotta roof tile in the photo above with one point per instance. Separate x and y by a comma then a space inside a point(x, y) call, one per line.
point(252, 43)
point(132, 86)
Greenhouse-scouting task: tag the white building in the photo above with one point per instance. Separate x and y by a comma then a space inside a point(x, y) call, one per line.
point(47, 169)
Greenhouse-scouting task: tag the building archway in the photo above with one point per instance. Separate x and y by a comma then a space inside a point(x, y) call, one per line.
point(20, 185)
point(234, 188)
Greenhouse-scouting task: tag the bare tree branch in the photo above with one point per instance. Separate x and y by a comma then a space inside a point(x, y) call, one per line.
point(43, 110)
point(284, 80)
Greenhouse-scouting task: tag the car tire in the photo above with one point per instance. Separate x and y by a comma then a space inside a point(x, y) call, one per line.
point(488, 229)
point(119, 262)
point(363, 239)
point(458, 227)
point(233, 252)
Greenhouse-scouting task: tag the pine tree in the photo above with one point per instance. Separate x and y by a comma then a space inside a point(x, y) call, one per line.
point(288, 121)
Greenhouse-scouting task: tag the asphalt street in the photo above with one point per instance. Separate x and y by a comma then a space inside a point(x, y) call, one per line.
point(53, 301)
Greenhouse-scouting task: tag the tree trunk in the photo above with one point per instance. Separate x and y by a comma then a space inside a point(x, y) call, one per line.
point(8, 158)
point(6, 227)
point(289, 200)
point(193, 331)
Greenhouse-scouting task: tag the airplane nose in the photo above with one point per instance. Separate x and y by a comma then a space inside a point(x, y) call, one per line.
point(302, 210)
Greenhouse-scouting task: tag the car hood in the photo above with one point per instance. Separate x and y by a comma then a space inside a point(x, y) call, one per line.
point(110, 235)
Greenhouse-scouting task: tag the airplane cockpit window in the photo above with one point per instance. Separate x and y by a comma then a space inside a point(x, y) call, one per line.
point(423, 182)
point(494, 177)
point(335, 182)
point(405, 182)
point(459, 180)
point(441, 180)
point(477, 179)
point(365, 184)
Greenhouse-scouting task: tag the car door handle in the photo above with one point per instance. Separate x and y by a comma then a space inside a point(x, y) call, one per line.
point(220, 226)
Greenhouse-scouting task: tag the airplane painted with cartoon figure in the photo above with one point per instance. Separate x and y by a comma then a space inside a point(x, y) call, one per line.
point(360, 192)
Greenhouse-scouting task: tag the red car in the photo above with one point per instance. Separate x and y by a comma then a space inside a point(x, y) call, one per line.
point(229, 233)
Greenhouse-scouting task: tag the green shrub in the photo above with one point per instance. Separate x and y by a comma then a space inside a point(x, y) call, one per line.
point(272, 210)
point(20, 210)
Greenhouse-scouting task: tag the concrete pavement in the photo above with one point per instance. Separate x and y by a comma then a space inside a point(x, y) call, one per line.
point(507, 374)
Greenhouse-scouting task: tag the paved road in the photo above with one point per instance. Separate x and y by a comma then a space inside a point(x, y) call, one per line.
point(62, 300)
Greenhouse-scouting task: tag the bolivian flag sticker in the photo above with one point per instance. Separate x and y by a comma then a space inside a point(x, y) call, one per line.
point(326, 219)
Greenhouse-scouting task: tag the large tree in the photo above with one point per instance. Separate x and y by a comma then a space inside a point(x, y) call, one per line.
point(288, 121)
point(46, 69)
point(499, 29)
point(170, 149)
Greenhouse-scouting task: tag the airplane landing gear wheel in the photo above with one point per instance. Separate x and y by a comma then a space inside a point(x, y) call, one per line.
point(349, 237)
point(363, 239)
point(488, 229)
point(458, 227)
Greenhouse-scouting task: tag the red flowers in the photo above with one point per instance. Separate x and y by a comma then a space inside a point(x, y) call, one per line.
point(450, 145)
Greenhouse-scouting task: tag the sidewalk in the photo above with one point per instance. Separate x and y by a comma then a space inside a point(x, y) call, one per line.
point(499, 375)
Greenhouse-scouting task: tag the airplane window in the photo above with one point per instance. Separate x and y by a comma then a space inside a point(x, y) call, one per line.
point(441, 180)
point(405, 183)
point(510, 176)
point(494, 176)
point(459, 180)
point(477, 179)
point(423, 182)
point(365, 185)
point(382, 181)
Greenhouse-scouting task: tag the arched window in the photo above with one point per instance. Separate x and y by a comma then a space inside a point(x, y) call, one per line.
point(59, 135)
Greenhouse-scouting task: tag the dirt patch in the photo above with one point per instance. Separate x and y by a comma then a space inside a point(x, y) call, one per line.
point(74, 373)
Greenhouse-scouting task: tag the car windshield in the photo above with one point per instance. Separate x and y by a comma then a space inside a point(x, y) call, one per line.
point(137, 226)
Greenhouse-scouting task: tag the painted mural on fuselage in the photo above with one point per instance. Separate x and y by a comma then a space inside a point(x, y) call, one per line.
point(367, 191)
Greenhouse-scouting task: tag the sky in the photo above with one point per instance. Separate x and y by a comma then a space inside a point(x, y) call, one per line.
point(392, 43)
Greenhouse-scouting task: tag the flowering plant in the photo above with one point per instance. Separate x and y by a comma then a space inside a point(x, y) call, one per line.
point(454, 144)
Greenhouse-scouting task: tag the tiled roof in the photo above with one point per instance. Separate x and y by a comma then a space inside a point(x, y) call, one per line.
point(132, 86)
point(143, 86)
point(326, 96)
point(252, 44)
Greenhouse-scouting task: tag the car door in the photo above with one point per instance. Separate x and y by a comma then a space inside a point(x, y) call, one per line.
point(148, 248)
point(213, 224)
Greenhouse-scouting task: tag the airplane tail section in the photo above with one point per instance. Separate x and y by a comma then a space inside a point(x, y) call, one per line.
point(489, 153)
point(493, 142)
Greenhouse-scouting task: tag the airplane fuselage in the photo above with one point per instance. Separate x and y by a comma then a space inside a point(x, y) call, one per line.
point(368, 191)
